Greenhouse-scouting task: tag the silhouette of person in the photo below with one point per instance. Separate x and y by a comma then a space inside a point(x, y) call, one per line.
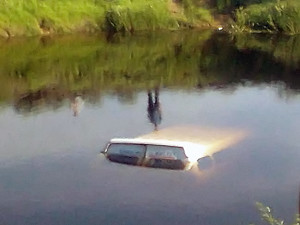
point(154, 111)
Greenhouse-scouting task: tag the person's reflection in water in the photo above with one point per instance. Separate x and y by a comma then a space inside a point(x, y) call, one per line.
point(76, 105)
point(154, 111)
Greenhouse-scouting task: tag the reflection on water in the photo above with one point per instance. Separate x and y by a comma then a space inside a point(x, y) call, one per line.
point(154, 109)
point(76, 105)
point(52, 97)
point(51, 171)
point(87, 65)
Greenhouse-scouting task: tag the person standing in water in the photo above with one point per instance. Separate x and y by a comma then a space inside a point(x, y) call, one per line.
point(154, 110)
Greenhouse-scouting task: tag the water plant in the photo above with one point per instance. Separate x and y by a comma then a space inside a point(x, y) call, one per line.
point(267, 216)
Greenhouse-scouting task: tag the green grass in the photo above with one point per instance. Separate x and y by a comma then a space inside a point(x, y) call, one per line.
point(267, 216)
point(195, 13)
point(33, 17)
point(129, 15)
point(43, 17)
point(282, 16)
point(36, 17)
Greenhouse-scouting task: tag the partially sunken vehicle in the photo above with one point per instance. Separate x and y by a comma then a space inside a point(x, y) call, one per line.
point(153, 153)
point(172, 148)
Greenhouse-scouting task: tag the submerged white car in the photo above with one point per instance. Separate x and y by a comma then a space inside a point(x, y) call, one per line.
point(171, 148)
point(153, 153)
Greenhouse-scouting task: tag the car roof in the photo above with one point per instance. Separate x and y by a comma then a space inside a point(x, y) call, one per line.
point(147, 141)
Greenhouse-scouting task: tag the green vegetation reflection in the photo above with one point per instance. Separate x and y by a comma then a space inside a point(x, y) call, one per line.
point(49, 71)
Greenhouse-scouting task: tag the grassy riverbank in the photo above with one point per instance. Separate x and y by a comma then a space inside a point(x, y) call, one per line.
point(37, 17)
point(44, 17)
point(280, 16)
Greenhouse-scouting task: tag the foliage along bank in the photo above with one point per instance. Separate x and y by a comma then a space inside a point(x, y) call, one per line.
point(277, 16)
point(43, 17)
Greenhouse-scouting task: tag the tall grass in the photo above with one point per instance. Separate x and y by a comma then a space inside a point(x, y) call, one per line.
point(32, 17)
point(278, 16)
point(130, 15)
point(195, 13)
point(35, 17)
point(229, 5)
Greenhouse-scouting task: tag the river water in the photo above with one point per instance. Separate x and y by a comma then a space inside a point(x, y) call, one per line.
point(63, 98)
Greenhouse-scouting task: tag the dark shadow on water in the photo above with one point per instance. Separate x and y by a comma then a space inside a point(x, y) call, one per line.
point(51, 97)
point(154, 109)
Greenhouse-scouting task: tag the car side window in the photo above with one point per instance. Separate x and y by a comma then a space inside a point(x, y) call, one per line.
point(165, 152)
point(131, 150)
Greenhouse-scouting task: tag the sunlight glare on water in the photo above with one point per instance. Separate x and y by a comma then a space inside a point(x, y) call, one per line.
point(204, 141)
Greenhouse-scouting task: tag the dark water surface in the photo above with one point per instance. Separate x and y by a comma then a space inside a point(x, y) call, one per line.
point(62, 99)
